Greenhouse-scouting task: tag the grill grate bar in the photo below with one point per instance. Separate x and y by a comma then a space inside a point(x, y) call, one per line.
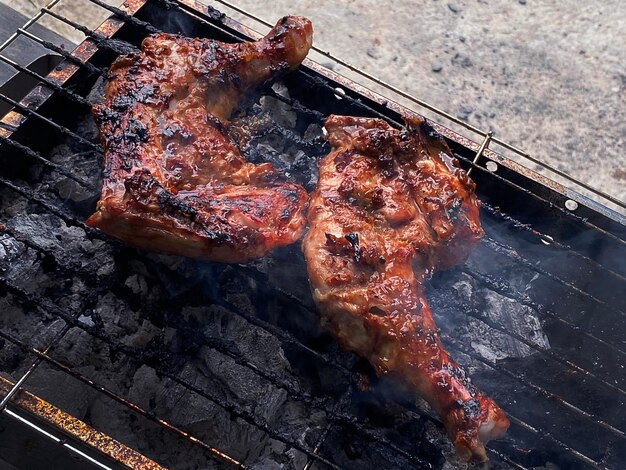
point(504, 288)
point(47, 82)
point(506, 459)
point(43, 356)
point(547, 394)
point(333, 415)
point(480, 151)
point(59, 50)
point(578, 455)
point(101, 40)
point(318, 446)
point(546, 238)
point(37, 156)
point(487, 135)
point(126, 17)
point(582, 220)
point(506, 250)
point(16, 387)
point(29, 23)
point(8, 127)
point(284, 336)
point(31, 196)
point(65, 265)
point(64, 130)
point(232, 408)
point(474, 313)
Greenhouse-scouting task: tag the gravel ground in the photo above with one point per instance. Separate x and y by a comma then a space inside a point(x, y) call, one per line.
point(548, 76)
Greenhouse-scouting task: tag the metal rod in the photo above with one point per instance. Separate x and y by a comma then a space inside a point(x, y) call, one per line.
point(592, 418)
point(507, 290)
point(63, 263)
point(36, 156)
point(64, 130)
point(30, 22)
point(579, 455)
point(230, 407)
point(436, 110)
point(46, 82)
point(102, 41)
point(479, 154)
point(555, 170)
point(503, 249)
point(474, 313)
point(30, 195)
point(31, 369)
point(506, 459)
point(59, 50)
point(43, 356)
point(126, 17)
point(497, 212)
point(582, 220)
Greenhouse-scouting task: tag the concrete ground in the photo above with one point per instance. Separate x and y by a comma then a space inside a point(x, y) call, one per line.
point(548, 76)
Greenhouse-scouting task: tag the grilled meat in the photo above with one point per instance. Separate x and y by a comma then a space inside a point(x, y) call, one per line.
point(390, 206)
point(173, 180)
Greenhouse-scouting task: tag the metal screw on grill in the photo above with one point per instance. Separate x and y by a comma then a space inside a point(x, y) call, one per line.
point(341, 93)
point(571, 205)
point(492, 166)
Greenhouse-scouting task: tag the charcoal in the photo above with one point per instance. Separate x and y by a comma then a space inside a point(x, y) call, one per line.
point(513, 316)
point(190, 341)
point(279, 111)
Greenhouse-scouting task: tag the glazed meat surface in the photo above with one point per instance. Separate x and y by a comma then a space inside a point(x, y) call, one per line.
point(173, 180)
point(389, 208)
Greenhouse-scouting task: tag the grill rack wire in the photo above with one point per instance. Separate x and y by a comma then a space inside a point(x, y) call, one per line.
point(334, 413)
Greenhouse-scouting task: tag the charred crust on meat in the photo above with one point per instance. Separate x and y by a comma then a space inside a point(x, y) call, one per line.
point(174, 130)
point(135, 133)
point(377, 311)
point(342, 159)
point(353, 239)
point(173, 179)
point(429, 220)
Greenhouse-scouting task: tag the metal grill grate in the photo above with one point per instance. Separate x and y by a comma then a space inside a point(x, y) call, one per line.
point(496, 245)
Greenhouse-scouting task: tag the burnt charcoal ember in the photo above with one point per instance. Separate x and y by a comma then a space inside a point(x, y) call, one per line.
point(14, 362)
point(270, 130)
point(462, 297)
point(65, 243)
point(179, 345)
point(18, 262)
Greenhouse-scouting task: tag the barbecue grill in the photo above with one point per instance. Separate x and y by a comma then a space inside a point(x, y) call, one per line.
point(115, 358)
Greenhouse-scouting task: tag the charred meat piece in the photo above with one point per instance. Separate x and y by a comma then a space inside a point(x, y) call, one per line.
point(390, 206)
point(173, 180)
